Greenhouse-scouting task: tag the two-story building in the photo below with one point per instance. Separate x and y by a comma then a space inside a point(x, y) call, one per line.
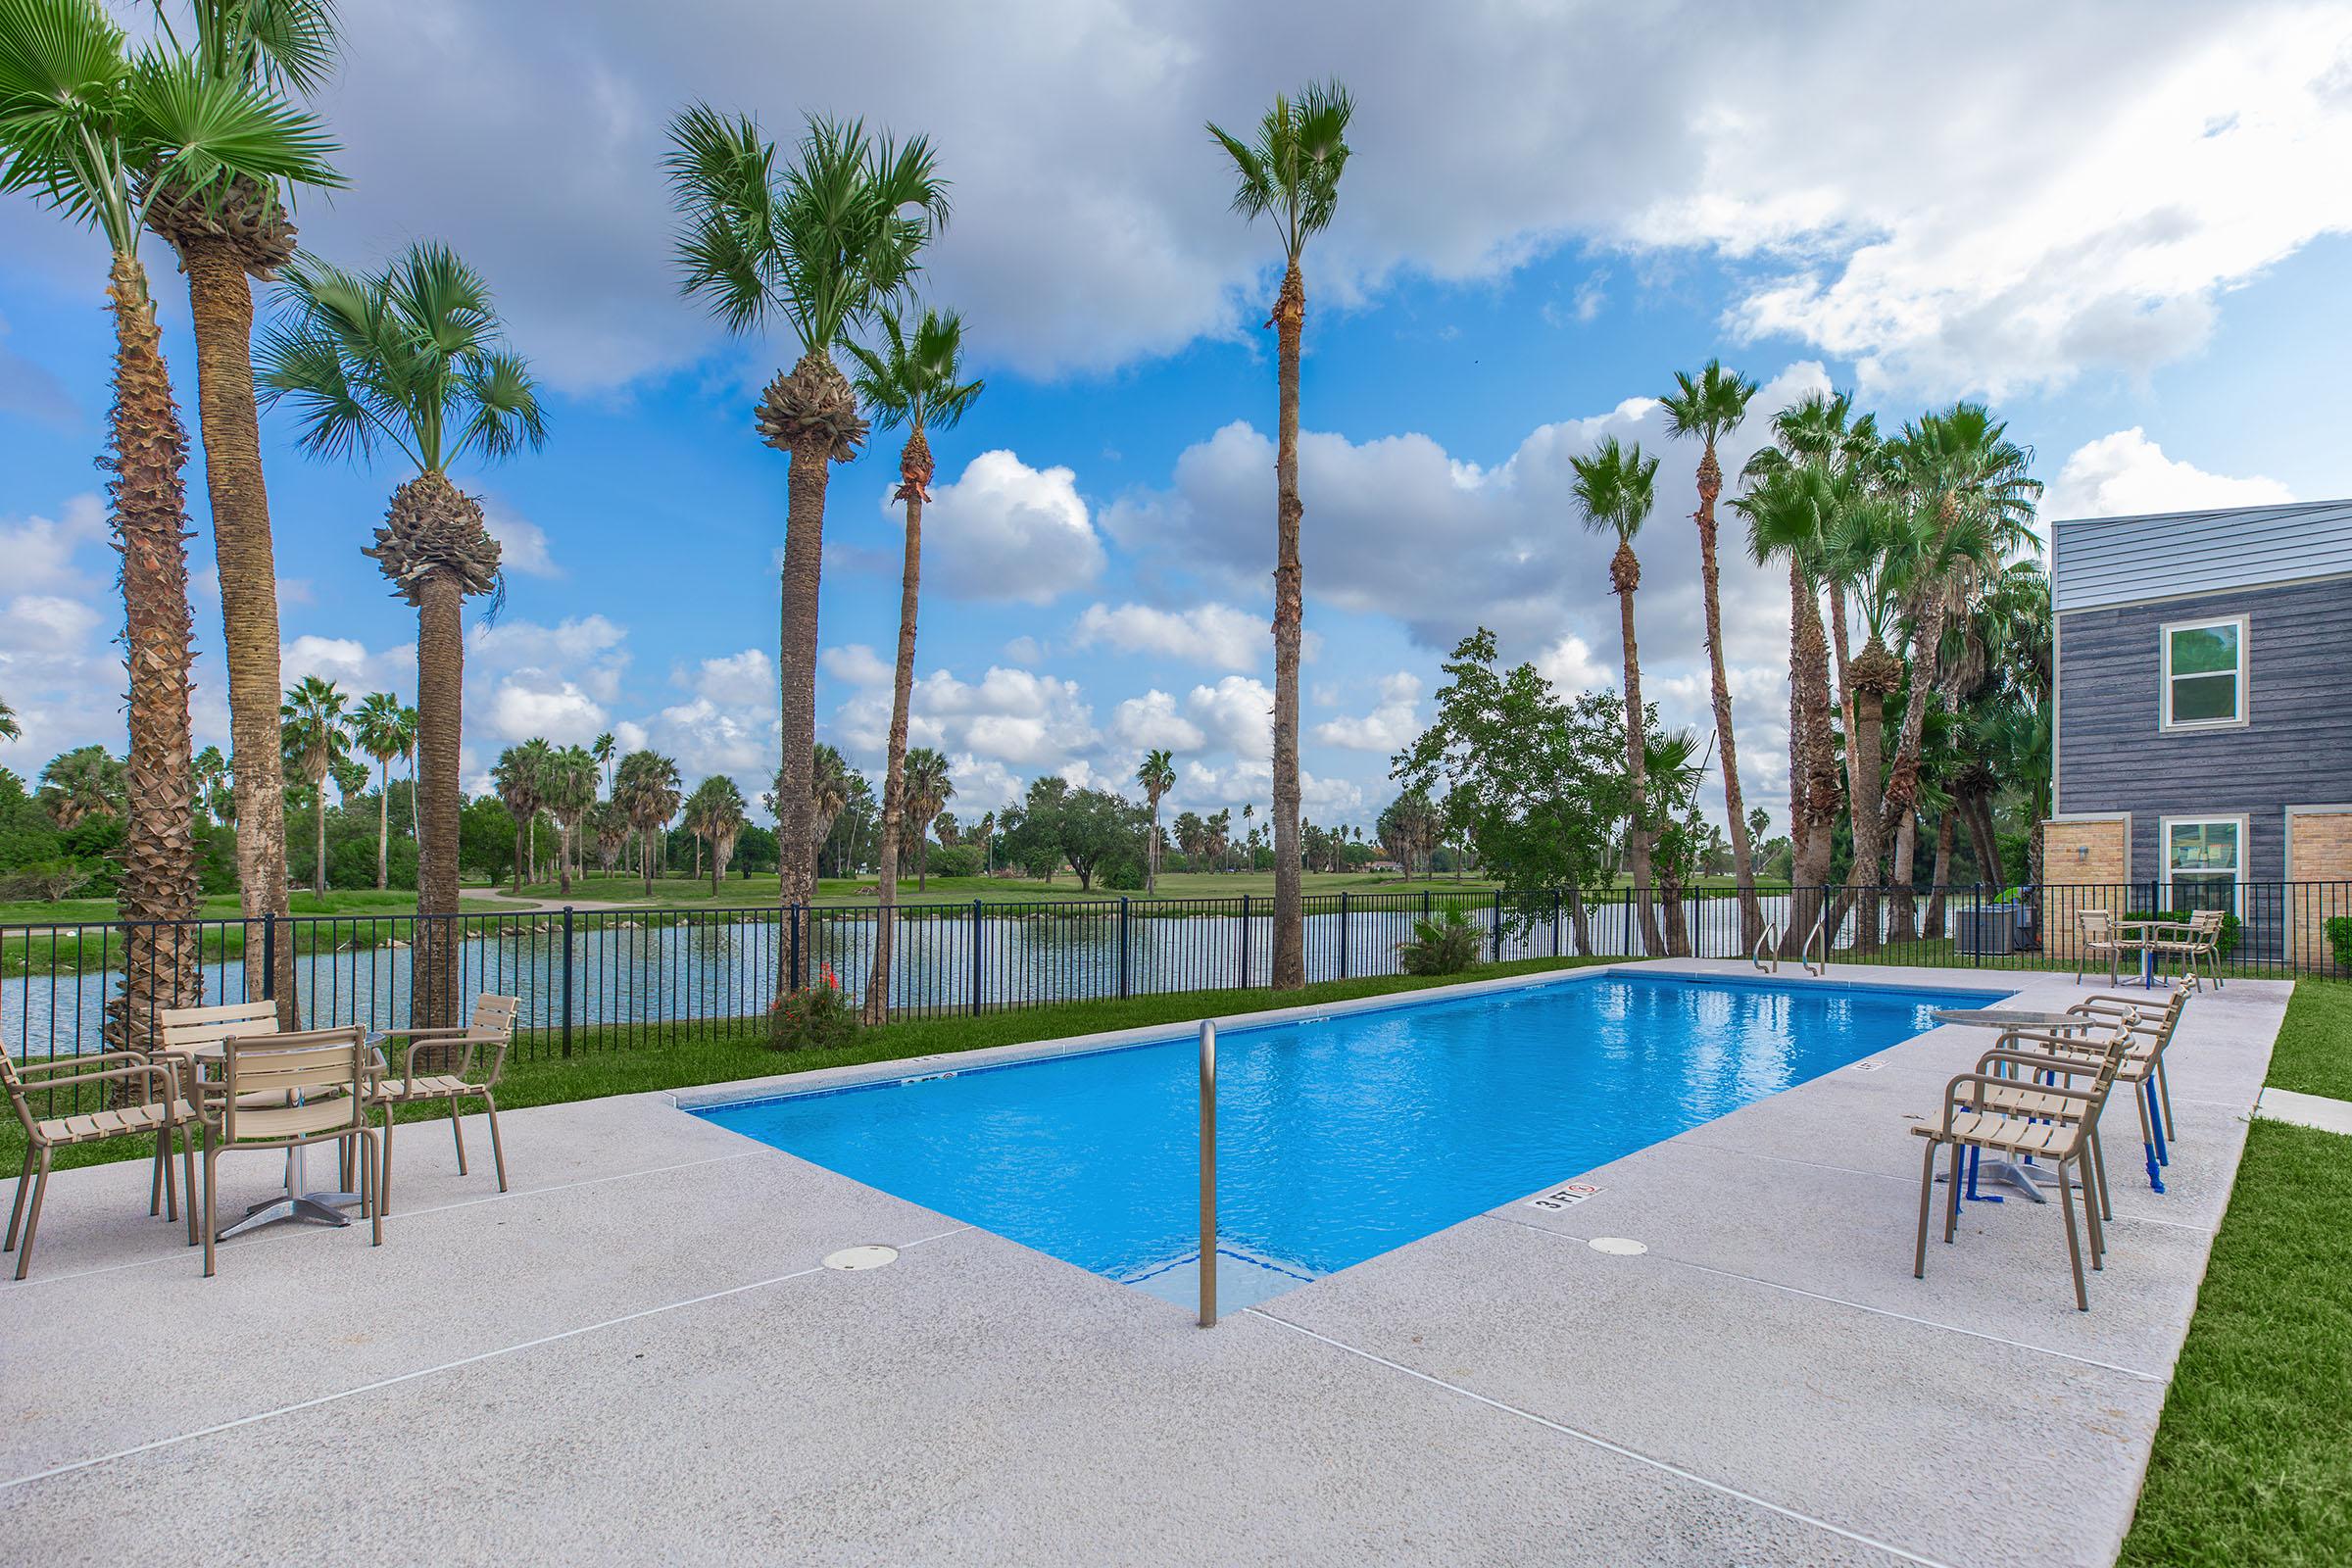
point(2203, 723)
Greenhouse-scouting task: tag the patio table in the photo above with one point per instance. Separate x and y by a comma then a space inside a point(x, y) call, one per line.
point(2022, 1175)
point(298, 1201)
point(2145, 933)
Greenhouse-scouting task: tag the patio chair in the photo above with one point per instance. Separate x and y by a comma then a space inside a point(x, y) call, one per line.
point(2142, 1066)
point(2197, 947)
point(163, 1113)
point(454, 1065)
point(2097, 932)
point(281, 1091)
point(2039, 1118)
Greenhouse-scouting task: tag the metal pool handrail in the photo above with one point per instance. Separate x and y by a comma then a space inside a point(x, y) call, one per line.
point(1771, 937)
point(1209, 1173)
point(1821, 929)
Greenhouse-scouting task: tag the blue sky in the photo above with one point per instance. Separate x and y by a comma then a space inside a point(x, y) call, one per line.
point(2137, 250)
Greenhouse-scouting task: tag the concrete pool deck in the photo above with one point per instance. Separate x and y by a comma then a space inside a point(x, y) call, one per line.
point(637, 1356)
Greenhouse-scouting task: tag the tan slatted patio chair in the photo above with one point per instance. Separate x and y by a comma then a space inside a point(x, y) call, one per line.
point(280, 1090)
point(1987, 1112)
point(454, 1065)
point(181, 1032)
point(2195, 945)
point(2142, 1069)
point(165, 1113)
point(2097, 931)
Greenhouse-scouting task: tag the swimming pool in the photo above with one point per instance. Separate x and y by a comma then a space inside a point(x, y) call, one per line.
point(1339, 1137)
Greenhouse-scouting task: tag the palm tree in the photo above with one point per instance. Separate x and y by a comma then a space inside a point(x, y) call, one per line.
point(1158, 775)
point(829, 793)
point(715, 815)
point(516, 777)
point(414, 360)
point(1971, 485)
point(610, 825)
point(1292, 174)
point(928, 790)
point(228, 231)
point(8, 722)
point(824, 243)
point(647, 789)
point(1616, 486)
point(99, 137)
point(566, 790)
point(214, 787)
point(313, 719)
point(603, 752)
point(376, 729)
point(1710, 406)
point(81, 784)
point(911, 381)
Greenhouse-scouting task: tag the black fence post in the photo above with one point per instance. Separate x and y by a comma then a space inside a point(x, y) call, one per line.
point(1499, 925)
point(792, 918)
point(976, 950)
point(1124, 948)
point(568, 979)
point(1344, 920)
point(1556, 922)
point(1976, 948)
point(269, 956)
point(1244, 985)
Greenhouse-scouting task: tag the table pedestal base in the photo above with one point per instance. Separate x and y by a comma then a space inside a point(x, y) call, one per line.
point(320, 1208)
point(2021, 1180)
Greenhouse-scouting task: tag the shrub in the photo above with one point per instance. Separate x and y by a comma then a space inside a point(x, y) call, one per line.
point(2339, 940)
point(946, 859)
point(819, 1018)
point(46, 880)
point(1124, 875)
point(1445, 945)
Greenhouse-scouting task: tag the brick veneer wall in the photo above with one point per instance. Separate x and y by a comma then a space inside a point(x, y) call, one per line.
point(2107, 863)
point(2320, 847)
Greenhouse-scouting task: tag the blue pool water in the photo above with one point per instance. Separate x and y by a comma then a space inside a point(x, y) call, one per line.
point(1338, 1138)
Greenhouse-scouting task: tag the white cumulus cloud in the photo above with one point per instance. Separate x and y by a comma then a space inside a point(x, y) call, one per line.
point(1216, 635)
point(1005, 531)
point(2125, 474)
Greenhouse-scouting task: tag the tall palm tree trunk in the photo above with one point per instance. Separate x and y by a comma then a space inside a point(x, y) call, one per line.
point(1290, 613)
point(147, 451)
point(1743, 864)
point(1902, 778)
point(515, 876)
point(318, 835)
point(221, 305)
point(812, 414)
point(1945, 824)
point(1626, 574)
point(1839, 653)
point(441, 799)
point(383, 825)
point(914, 478)
point(1151, 861)
point(1816, 762)
point(1871, 678)
point(1902, 910)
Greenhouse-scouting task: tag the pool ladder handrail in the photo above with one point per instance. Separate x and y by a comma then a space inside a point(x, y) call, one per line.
point(1821, 929)
point(1769, 940)
point(1209, 1173)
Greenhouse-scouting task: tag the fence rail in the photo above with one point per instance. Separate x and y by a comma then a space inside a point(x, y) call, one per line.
point(622, 979)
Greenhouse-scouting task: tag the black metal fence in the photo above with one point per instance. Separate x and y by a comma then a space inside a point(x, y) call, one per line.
point(620, 979)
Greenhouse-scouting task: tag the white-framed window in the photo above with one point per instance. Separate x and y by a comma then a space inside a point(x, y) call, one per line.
point(2204, 858)
point(2205, 668)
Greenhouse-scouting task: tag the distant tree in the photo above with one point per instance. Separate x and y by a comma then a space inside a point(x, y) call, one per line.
point(518, 777)
point(1535, 783)
point(1616, 489)
point(928, 791)
point(714, 816)
point(313, 719)
point(383, 728)
point(84, 782)
point(1157, 773)
point(567, 789)
point(647, 789)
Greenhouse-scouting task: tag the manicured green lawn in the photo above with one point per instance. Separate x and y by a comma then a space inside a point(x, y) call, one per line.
point(2315, 1047)
point(595, 1070)
point(2253, 1462)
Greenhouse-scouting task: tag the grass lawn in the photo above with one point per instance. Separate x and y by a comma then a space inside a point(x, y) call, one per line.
point(221, 907)
point(592, 1073)
point(2253, 1462)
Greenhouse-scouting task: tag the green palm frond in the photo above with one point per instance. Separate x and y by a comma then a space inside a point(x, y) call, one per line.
point(1615, 487)
point(825, 240)
point(414, 358)
point(286, 45)
point(911, 379)
point(1293, 170)
point(1708, 405)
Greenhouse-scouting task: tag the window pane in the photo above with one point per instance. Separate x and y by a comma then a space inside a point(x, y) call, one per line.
point(2202, 650)
point(2203, 846)
point(2200, 697)
point(2204, 891)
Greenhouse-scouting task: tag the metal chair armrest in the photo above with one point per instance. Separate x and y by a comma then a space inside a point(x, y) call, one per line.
point(81, 1063)
point(2070, 1066)
point(153, 1071)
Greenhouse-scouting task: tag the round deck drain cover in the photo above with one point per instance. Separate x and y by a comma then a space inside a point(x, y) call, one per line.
point(858, 1257)
point(1617, 1245)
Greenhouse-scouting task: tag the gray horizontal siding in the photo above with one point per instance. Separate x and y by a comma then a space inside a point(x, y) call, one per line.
point(2296, 750)
point(2115, 561)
